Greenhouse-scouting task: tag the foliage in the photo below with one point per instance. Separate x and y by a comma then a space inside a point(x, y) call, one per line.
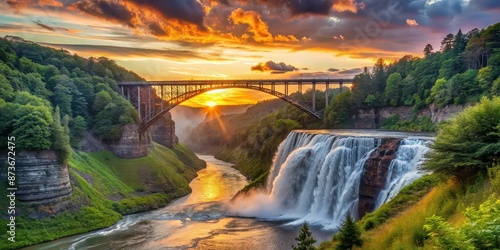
point(78, 128)
point(413, 124)
point(349, 234)
point(60, 137)
point(464, 70)
point(480, 231)
point(468, 142)
point(339, 112)
point(305, 239)
point(393, 89)
point(34, 80)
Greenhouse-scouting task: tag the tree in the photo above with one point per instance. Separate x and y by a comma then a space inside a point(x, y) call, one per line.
point(469, 142)
point(102, 99)
point(393, 89)
point(6, 90)
point(338, 113)
point(428, 50)
point(460, 41)
point(379, 75)
point(63, 99)
point(78, 128)
point(447, 43)
point(32, 127)
point(349, 234)
point(60, 137)
point(305, 239)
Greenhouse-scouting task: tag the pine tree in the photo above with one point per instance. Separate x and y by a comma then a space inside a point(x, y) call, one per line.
point(349, 234)
point(60, 135)
point(305, 239)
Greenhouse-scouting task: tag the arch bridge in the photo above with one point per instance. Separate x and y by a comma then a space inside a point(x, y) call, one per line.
point(155, 98)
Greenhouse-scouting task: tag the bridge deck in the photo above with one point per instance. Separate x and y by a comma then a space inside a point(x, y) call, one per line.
point(249, 81)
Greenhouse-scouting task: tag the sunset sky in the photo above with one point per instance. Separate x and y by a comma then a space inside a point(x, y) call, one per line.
point(213, 39)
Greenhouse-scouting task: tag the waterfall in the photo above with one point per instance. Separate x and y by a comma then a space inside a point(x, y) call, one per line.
point(404, 169)
point(316, 178)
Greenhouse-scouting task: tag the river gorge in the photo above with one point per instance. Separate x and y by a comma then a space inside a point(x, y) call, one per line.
point(317, 176)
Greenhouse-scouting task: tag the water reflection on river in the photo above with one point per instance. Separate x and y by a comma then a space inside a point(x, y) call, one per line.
point(196, 221)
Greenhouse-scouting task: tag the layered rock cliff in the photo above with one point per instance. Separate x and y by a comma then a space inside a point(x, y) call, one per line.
point(371, 118)
point(375, 174)
point(40, 177)
point(163, 131)
point(132, 143)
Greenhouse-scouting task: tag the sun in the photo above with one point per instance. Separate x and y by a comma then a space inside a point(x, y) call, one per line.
point(211, 104)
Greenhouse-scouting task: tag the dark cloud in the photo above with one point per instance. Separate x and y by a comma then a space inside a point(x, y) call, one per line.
point(485, 4)
point(309, 7)
point(350, 71)
point(53, 28)
point(179, 55)
point(444, 9)
point(274, 68)
point(190, 11)
point(113, 11)
point(333, 70)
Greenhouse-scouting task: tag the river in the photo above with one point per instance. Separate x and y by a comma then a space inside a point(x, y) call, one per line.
point(196, 221)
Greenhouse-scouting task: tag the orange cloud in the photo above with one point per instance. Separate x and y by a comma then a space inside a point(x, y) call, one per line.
point(257, 27)
point(345, 5)
point(20, 4)
point(411, 22)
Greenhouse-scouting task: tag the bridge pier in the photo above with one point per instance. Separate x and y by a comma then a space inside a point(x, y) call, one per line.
point(314, 96)
point(326, 93)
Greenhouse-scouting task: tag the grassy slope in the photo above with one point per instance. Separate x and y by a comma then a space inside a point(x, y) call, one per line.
point(253, 168)
point(399, 223)
point(106, 187)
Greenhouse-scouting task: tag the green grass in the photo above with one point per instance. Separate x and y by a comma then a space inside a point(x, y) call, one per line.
point(115, 187)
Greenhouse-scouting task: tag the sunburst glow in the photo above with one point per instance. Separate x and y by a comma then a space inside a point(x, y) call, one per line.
point(211, 104)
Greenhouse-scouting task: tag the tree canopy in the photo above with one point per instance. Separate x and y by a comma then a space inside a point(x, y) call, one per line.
point(468, 142)
point(47, 97)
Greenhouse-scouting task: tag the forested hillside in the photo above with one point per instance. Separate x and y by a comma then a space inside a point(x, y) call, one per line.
point(49, 98)
point(465, 68)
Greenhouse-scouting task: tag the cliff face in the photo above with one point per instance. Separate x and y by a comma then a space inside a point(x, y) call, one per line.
point(369, 118)
point(375, 174)
point(132, 144)
point(163, 131)
point(40, 177)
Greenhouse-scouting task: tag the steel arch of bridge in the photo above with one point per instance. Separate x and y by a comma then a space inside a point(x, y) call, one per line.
point(154, 99)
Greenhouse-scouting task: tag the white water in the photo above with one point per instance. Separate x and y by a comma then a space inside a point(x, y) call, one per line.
point(316, 177)
point(404, 169)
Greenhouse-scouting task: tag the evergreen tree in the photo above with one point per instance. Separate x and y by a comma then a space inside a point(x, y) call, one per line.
point(349, 234)
point(428, 49)
point(305, 239)
point(447, 43)
point(78, 128)
point(60, 135)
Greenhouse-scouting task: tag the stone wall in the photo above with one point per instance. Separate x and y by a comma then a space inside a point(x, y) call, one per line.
point(163, 131)
point(371, 118)
point(40, 177)
point(375, 174)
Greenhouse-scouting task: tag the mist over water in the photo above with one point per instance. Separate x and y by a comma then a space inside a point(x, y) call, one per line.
point(316, 177)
